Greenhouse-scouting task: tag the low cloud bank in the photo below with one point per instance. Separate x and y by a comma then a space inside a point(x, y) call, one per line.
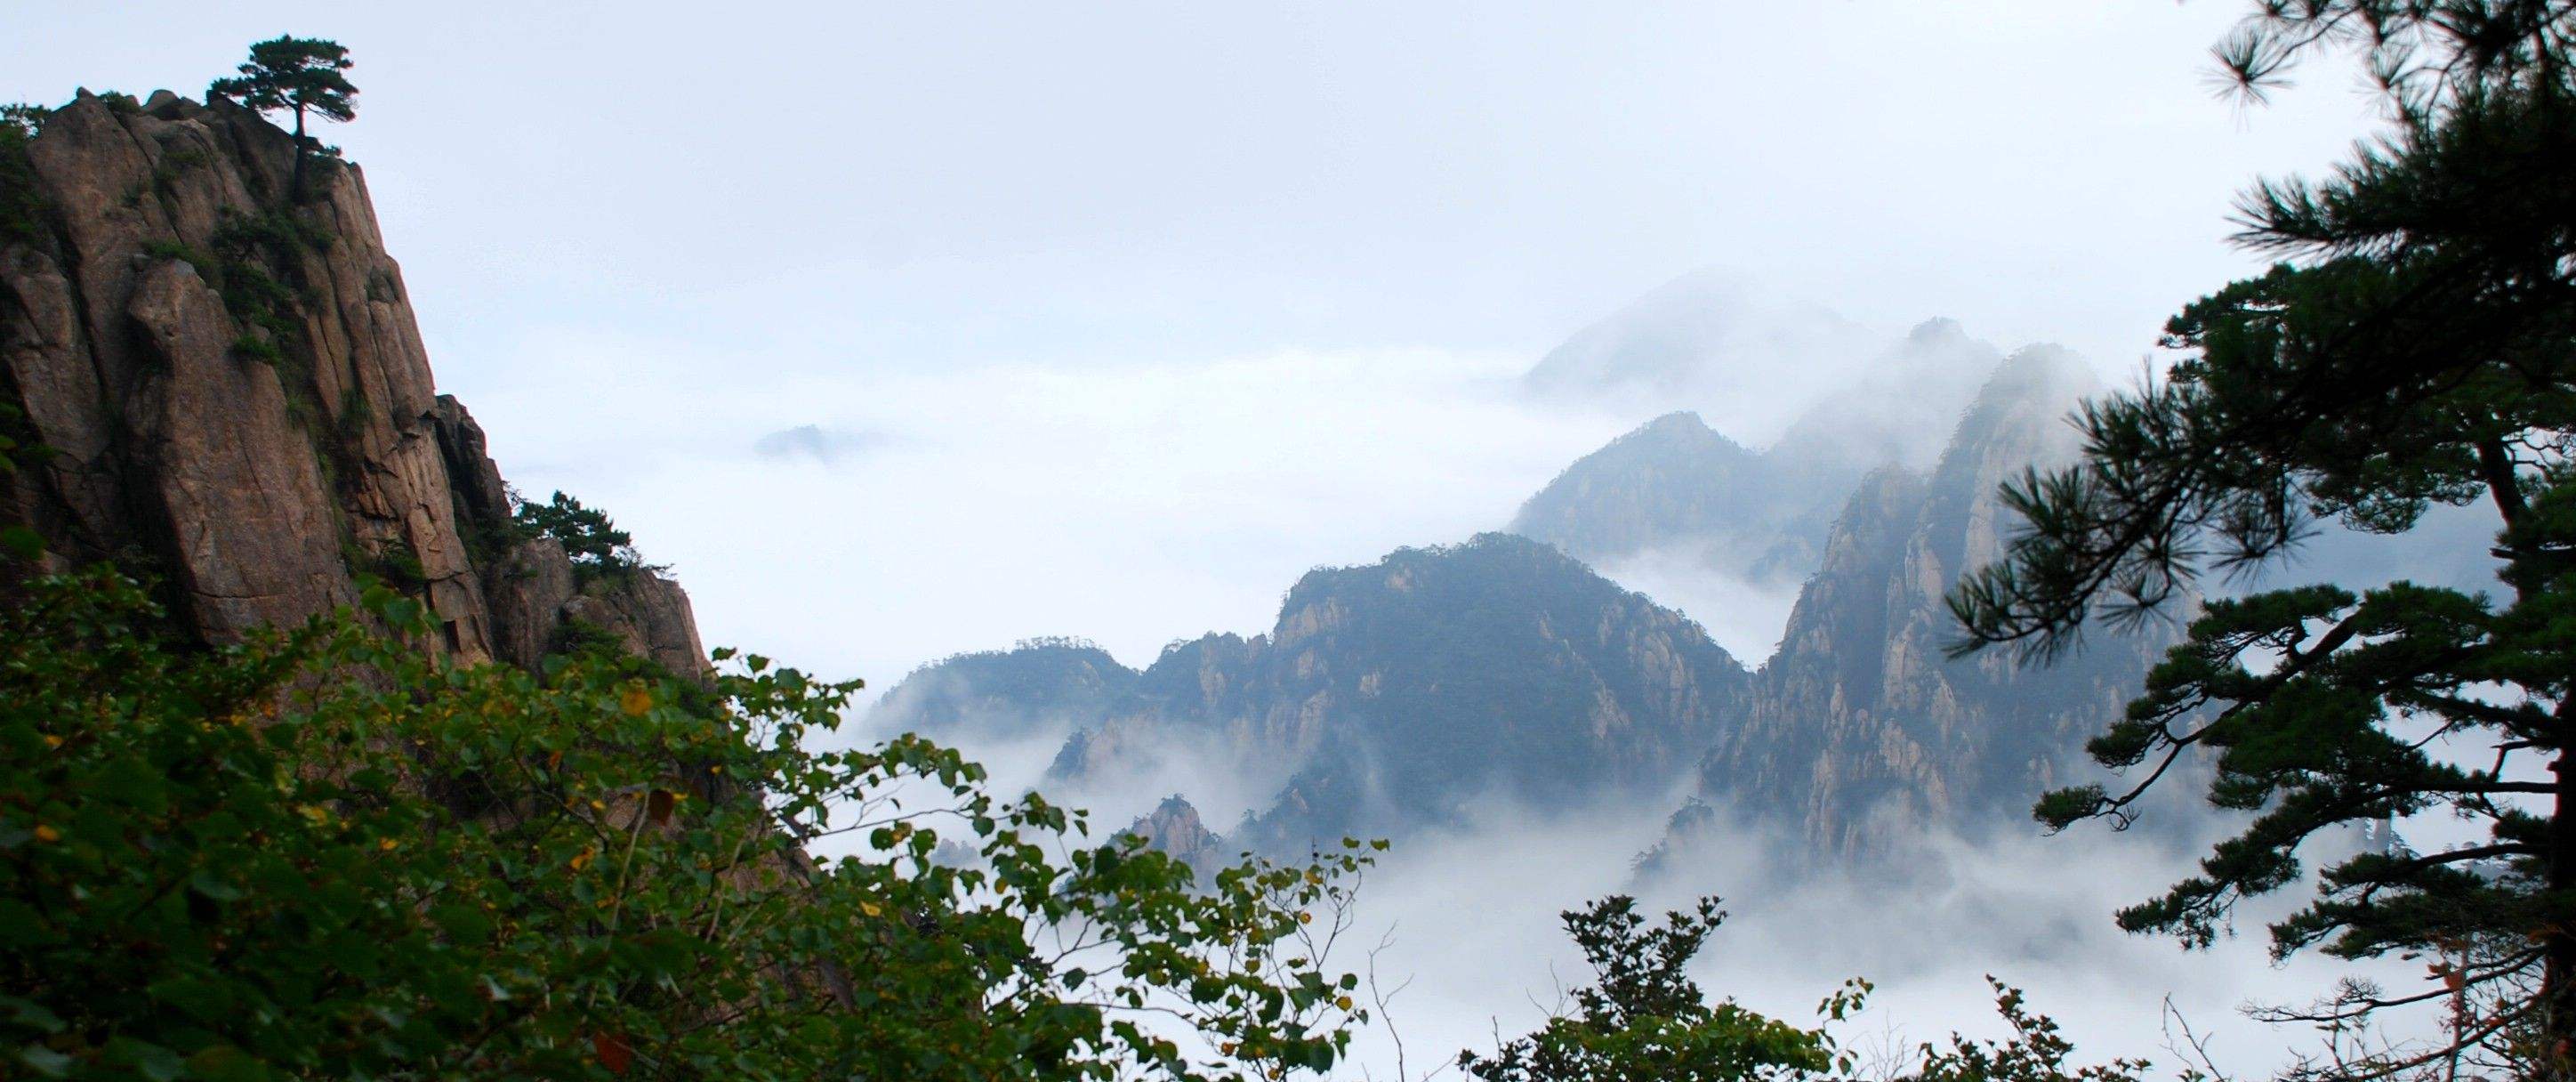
point(1472, 921)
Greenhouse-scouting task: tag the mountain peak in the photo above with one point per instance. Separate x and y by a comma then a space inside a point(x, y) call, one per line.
point(1676, 421)
point(1937, 330)
point(2041, 368)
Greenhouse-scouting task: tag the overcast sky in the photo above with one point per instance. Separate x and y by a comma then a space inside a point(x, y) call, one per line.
point(1112, 319)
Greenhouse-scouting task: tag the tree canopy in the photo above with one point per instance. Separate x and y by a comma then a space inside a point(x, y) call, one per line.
point(299, 75)
point(589, 537)
point(2415, 345)
point(1644, 1020)
point(320, 853)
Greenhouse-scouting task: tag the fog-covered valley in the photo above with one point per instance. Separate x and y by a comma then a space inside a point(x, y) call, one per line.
point(1692, 667)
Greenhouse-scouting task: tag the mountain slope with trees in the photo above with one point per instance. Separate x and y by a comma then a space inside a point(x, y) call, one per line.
point(1388, 695)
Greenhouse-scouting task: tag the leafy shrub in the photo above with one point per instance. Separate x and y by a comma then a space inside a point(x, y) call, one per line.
point(2034, 1053)
point(318, 853)
point(22, 211)
point(1644, 1021)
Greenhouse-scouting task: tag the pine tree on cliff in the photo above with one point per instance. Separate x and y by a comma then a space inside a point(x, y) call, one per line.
point(298, 74)
point(2417, 345)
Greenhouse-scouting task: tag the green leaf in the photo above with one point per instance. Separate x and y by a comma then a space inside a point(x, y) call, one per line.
point(21, 542)
point(45, 1061)
point(29, 1014)
point(225, 1063)
point(150, 1060)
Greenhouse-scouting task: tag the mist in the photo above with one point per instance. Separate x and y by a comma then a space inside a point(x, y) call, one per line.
point(1926, 923)
point(939, 512)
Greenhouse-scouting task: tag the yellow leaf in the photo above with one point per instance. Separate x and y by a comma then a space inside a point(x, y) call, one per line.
point(388, 845)
point(583, 860)
point(53, 741)
point(871, 909)
point(47, 834)
point(635, 700)
point(1343, 1002)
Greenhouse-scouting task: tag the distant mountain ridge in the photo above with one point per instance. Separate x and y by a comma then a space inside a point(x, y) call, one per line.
point(1704, 336)
point(1675, 484)
point(1385, 697)
point(1390, 697)
point(1013, 693)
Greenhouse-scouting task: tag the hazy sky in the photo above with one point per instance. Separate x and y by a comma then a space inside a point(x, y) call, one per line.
point(1112, 319)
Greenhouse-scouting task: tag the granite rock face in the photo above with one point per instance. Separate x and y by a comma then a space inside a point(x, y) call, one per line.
point(1173, 827)
point(1860, 728)
point(225, 362)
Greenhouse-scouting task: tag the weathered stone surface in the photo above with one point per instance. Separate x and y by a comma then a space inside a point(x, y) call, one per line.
point(1860, 729)
point(527, 589)
point(650, 613)
point(260, 444)
point(1173, 827)
point(253, 536)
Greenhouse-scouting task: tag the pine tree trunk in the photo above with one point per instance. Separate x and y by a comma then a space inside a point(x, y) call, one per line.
point(2558, 975)
point(295, 178)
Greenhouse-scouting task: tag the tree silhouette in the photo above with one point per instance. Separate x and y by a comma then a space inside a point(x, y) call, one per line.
point(297, 74)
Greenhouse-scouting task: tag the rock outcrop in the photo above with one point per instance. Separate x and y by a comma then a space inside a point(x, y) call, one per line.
point(224, 363)
point(1173, 827)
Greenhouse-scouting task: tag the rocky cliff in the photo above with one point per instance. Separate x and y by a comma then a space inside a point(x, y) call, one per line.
point(1860, 728)
point(1173, 827)
point(1388, 696)
point(224, 363)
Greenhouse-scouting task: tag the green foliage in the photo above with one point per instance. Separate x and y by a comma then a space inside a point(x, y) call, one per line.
point(22, 210)
point(1644, 1021)
point(316, 853)
point(2413, 349)
point(296, 74)
point(588, 536)
point(2034, 1053)
point(391, 561)
point(18, 451)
